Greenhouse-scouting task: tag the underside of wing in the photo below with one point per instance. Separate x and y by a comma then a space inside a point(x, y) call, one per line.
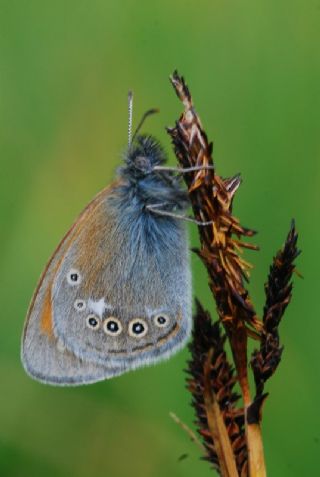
point(121, 274)
point(115, 296)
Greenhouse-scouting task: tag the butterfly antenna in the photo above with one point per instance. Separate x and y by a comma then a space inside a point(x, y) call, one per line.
point(144, 117)
point(130, 108)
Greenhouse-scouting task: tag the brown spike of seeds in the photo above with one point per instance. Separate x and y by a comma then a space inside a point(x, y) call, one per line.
point(208, 342)
point(278, 291)
point(212, 378)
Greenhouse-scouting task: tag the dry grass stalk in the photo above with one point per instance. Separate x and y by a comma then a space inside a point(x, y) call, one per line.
point(222, 243)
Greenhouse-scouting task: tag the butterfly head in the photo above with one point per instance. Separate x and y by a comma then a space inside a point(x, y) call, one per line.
point(143, 154)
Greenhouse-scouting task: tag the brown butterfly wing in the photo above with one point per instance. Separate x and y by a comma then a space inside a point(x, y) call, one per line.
point(119, 277)
point(103, 264)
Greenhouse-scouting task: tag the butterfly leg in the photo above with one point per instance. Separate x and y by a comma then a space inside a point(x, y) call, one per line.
point(154, 208)
point(183, 170)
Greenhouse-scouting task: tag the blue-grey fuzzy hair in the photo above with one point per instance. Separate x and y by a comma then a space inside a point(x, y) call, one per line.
point(145, 186)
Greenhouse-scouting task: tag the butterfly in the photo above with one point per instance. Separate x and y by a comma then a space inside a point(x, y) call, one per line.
point(116, 293)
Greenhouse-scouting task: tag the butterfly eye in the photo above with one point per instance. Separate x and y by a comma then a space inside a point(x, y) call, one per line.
point(79, 305)
point(138, 328)
point(112, 326)
point(161, 320)
point(73, 277)
point(142, 163)
point(92, 322)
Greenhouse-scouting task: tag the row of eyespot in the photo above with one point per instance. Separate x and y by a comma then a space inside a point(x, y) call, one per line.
point(160, 320)
point(112, 326)
point(137, 328)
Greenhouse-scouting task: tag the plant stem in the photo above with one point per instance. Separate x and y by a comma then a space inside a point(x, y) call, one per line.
point(217, 426)
point(256, 462)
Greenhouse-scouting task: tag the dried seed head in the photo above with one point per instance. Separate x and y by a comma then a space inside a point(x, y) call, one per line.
point(278, 291)
point(207, 338)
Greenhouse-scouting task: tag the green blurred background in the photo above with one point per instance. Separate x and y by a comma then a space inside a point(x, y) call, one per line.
point(65, 69)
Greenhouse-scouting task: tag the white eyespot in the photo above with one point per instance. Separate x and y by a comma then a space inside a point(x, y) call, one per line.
point(161, 320)
point(79, 305)
point(74, 277)
point(112, 326)
point(92, 322)
point(138, 328)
